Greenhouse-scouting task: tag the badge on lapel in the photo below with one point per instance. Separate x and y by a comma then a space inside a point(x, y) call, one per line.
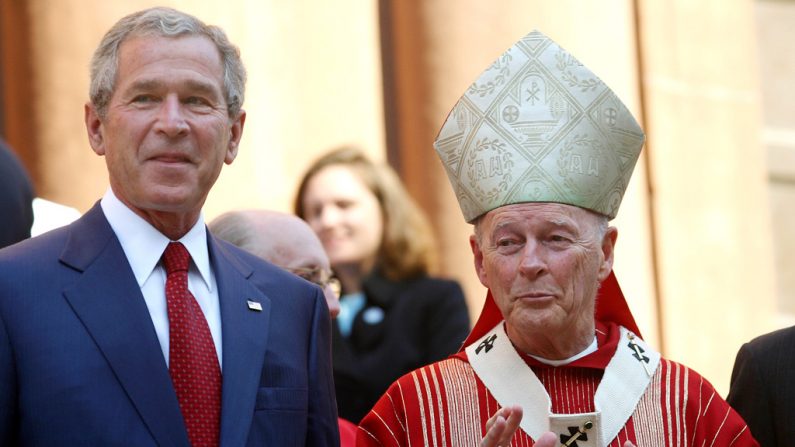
point(254, 305)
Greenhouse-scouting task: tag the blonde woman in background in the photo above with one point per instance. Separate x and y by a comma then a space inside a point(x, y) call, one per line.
point(394, 316)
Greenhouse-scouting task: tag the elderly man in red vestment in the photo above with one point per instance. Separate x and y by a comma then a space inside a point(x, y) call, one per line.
point(539, 152)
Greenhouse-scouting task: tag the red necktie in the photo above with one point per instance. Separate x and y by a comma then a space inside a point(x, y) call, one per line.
point(193, 362)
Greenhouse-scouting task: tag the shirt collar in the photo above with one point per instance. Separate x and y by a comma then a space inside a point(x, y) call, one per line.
point(144, 245)
point(608, 335)
point(588, 350)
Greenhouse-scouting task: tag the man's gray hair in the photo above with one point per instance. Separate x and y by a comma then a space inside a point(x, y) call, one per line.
point(163, 22)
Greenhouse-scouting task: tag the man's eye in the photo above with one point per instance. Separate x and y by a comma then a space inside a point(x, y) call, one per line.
point(559, 239)
point(508, 246)
point(197, 101)
point(143, 99)
point(506, 242)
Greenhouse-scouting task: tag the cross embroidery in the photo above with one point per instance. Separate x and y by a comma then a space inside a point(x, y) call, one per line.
point(487, 343)
point(510, 113)
point(638, 353)
point(575, 434)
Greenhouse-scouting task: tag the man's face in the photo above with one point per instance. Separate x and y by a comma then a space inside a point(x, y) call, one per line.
point(304, 256)
point(543, 263)
point(167, 131)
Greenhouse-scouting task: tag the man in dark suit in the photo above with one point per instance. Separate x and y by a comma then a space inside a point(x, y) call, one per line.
point(134, 325)
point(763, 387)
point(16, 198)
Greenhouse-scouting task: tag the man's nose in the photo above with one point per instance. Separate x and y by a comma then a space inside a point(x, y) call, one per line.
point(171, 120)
point(533, 262)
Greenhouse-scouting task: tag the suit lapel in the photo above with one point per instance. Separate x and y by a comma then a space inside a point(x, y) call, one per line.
point(108, 301)
point(245, 333)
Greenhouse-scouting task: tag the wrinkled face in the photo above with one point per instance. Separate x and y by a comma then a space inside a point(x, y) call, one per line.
point(543, 263)
point(304, 256)
point(345, 214)
point(167, 132)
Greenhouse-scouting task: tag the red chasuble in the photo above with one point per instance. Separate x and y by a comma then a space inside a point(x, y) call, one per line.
point(622, 392)
point(446, 404)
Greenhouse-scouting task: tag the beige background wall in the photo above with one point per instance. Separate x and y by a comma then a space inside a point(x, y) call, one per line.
point(712, 221)
point(776, 47)
point(708, 80)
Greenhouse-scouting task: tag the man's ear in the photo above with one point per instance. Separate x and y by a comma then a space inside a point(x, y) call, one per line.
point(95, 129)
point(235, 134)
point(478, 255)
point(608, 250)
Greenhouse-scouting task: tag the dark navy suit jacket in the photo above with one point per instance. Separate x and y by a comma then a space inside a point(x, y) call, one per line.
point(763, 387)
point(80, 363)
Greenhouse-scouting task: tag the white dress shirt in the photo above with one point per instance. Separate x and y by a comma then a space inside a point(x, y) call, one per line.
point(144, 245)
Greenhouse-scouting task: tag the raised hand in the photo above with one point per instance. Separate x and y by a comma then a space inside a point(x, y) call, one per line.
point(501, 427)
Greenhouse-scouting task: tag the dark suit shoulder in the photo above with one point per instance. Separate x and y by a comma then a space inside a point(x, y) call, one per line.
point(776, 341)
point(762, 387)
point(770, 357)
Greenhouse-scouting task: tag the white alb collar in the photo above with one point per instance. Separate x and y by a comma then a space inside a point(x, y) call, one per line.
point(588, 350)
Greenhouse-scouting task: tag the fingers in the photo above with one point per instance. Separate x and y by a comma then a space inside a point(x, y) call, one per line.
point(548, 439)
point(501, 413)
point(504, 413)
point(629, 444)
point(512, 424)
point(501, 426)
point(495, 428)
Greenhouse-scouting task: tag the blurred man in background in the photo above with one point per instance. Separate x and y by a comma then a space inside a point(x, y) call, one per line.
point(283, 240)
point(16, 198)
point(287, 242)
